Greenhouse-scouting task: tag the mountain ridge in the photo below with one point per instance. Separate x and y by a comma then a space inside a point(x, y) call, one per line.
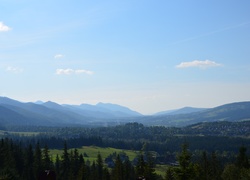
point(52, 114)
point(184, 110)
point(237, 111)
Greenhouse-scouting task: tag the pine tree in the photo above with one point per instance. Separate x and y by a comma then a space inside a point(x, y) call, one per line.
point(242, 159)
point(57, 165)
point(46, 161)
point(75, 163)
point(100, 166)
point(65, 164)
point(184, 158)
point(129, 171)
point(149, 168)
point(204, 164)
point(215, 168)
point(117, 172)
point(82, 169)
point(106, 174)
point(93, 172)
point(71, 165)
point(169, 174)
point(231, 172)
point(28, 165)
point(140, 166)
point(37, 160)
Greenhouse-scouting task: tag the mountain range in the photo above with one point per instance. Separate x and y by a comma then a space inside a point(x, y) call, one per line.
point(233, 112)
point(15, 113)
point(184, 110)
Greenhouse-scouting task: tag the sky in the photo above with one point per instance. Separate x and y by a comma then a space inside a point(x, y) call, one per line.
point(149, 56)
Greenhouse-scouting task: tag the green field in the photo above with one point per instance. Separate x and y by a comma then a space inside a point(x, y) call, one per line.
point(92, 152)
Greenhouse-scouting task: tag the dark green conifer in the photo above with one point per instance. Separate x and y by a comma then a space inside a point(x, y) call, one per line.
point(100, 166)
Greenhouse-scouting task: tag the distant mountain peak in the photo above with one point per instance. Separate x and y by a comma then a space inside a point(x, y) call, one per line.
point(49, 113)
point(39, 102)
point(6, 100)
point(117, 108)
point(184, 110)
point(50, 102)
point(53, 105)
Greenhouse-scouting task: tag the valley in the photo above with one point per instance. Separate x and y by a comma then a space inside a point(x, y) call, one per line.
point(109, 136)
point(13, 112)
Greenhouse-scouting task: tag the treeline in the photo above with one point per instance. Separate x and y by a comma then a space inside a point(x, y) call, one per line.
point(29, 163)
point(209, 167)
point(221, 128)
point(133, 136)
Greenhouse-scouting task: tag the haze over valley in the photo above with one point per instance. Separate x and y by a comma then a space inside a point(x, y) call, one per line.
point(135, 89)
point(50, 113)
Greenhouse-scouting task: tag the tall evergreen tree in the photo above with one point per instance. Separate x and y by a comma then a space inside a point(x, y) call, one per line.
point(93, 172)
point(38, 160)
point(184, 158)
point(140, 166)
point(149, 168)
point(215, 167)
point(65, 164)
point(76, 163)
point(169, 174)
point(28, 165)
point(84, 171)
point(71, 165)
point(242, 159)
point(57, 165)
point(106, 174)
point(100, 166)
point(231, 172)
point(117, 172)
point(204, 165)
point(129, 171)
point(46, 161)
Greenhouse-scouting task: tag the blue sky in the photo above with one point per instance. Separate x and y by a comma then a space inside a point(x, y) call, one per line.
point(147, 55)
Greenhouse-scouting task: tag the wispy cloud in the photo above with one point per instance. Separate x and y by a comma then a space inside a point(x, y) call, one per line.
point(15, 70)
point(72, 71)
point(4, 28)
point(82, 71)
point(58, 56)
point(212, 32)
point(197, 63)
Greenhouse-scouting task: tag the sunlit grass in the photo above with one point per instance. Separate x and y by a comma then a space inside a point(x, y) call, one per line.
point(92, 152)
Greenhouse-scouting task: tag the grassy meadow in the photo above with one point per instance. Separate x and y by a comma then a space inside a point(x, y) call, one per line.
point(92, 152)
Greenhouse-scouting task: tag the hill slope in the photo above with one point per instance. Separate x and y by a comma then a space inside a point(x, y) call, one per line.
point(239, 111)
point(52, 114)
point(184, 110)
point(13, 112)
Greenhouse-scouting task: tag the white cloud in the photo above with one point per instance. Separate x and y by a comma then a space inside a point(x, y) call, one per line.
point(64, 71)
point(200, 64)
point(14, 69)
point(3, 27)
point(82, 71)
point(58, 56)
point(71, 71)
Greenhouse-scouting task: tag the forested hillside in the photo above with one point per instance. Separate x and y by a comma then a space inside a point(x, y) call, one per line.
point(213, 145)
point(34, 162)
point(233, 112)
point(209, 136)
